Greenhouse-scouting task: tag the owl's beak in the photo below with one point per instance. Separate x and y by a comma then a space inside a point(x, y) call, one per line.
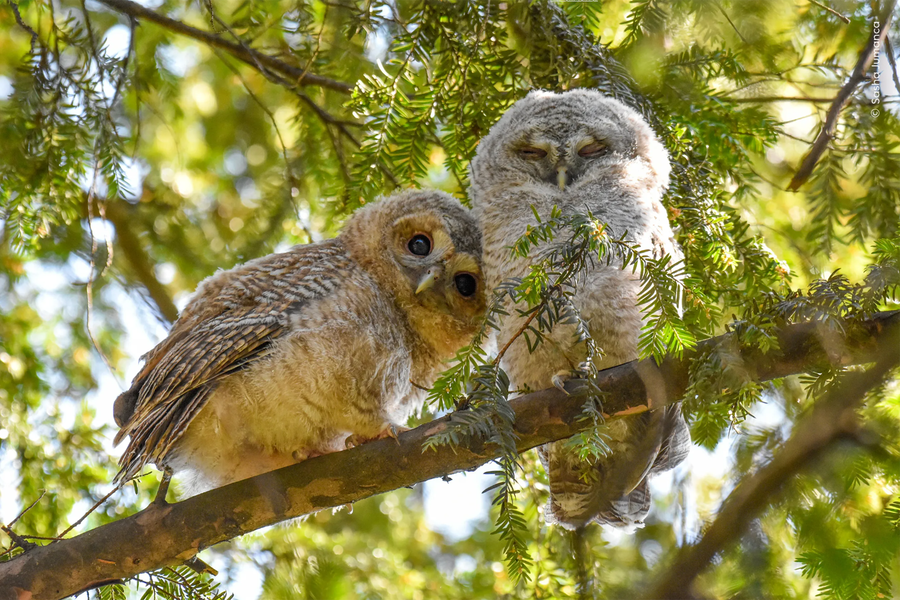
point(428, 279)
point(561, 177)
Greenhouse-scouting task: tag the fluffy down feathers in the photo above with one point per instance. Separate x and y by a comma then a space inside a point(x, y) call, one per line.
point(581, 151)
point(288, 355)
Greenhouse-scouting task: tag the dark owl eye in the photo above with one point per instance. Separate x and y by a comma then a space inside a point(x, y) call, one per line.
point(419, 245)
point(466, 284)
point(532, 153)
point(593, 150)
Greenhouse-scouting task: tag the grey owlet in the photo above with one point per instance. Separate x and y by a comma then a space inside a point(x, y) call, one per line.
point(291, 354)
point(581, 151)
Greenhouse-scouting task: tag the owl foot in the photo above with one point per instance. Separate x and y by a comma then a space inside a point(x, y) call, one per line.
point(301, 455)
point(163, 488)
point(391, 431)
point(559, 381)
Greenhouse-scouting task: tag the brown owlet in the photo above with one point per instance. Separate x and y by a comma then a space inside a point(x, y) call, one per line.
point(291, 354)
point(581, 151)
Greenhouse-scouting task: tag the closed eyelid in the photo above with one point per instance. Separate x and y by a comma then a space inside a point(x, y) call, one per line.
point(590, 140)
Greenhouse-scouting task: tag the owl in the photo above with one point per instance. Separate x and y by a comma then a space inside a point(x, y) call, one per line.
point(581, 151)
point(292, 355)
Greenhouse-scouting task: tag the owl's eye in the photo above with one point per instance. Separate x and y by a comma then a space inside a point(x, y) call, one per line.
point(420, 245)
point(466, 284)
point(532, 153)
point(593, 150)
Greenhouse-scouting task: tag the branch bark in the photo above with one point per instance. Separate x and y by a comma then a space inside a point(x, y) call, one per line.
point(843, 98)
point(244, 53)
point(167, 535)
point(832, 420)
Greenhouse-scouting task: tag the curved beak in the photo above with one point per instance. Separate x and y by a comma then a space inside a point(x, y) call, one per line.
point(561, 177)
point(428, 279)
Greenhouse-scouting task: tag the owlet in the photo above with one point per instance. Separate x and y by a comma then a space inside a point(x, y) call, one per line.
point(581, 151)
point(291, 354)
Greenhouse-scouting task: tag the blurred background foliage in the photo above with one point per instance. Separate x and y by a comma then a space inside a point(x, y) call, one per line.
point(137, 160)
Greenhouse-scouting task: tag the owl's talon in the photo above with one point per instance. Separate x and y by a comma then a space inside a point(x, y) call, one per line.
point(163, 488)
point(559, 381)
point(391, 431)
point(301, 455)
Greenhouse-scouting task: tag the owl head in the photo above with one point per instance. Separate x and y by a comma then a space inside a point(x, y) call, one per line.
point(426, 248)
point(557, 141)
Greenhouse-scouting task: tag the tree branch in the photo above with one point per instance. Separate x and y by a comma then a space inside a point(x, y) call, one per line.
point(832, 11)
point(167, 535)
point(134, 253)
point(832, 419)
point(764, 99)
point(843, 98)
point(254, 58)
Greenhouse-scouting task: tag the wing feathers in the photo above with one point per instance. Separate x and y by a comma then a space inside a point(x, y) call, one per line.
point(233, 321)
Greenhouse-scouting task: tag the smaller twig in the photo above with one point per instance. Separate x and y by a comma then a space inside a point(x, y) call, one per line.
point(339, 154)
point(760, 99)
point(30, 506)
point(17, 539)
point(419, 387)
point(832, 11)
point(35, 40)
point(795, 119)
point(93, 274)
point(342, 127)
point(315, 51)
point(534, 313)
point(90, 510)
point(327, 118)
point(730, 22)
point(260, 103)
point(794, 137)
point(132, 249)
point(239, 51)
point(124, 74)
point(889, 47)
point(866, 57)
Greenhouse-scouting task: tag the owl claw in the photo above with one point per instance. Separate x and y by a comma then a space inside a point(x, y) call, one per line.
point(391, 431)
point(163, 489)
point(301, 455)
point(559, 381)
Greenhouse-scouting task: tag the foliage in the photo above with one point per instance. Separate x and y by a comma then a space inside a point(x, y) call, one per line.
point(136, 161)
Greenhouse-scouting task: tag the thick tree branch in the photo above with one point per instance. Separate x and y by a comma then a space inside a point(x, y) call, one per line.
point(833, 419)
point(167, 535)
point(134, 253)
point(242, 52)
point(866, 57)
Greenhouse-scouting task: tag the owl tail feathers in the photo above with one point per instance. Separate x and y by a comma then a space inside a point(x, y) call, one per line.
point(619, 495)
point(676, 441)
point(627, 513)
